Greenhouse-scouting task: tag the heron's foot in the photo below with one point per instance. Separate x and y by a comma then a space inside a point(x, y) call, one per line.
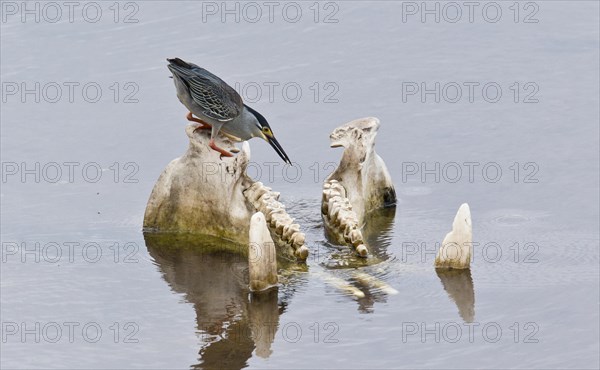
point(203, 125)
point(223, 152)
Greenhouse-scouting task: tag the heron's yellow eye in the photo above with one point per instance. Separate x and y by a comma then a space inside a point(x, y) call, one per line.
point(267, 131)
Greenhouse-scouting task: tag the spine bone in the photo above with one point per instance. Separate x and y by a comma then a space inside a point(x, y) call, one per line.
point(265, 200)
point(337, 210)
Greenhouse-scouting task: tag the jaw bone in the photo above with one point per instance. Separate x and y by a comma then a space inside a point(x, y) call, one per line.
point(359, 185)
point(205, 194)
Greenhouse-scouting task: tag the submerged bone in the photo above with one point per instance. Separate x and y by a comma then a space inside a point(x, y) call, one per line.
point(455, 251)
point(340, 284)
point(202, 193)
point(369, 280)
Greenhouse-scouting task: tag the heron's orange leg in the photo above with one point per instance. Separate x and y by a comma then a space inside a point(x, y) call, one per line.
point(194, 119)
point(223, 152)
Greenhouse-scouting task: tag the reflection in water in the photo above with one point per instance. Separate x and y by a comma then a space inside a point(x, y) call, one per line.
point(377, 230)
point(378, 233)
point(459, 286)
point(213, 275)
point(372, 296)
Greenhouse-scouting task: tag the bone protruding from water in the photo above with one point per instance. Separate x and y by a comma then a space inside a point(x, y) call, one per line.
point(360, 184)
point(455, 251)
point(265, 200)
point(262, 256)
point(204, 193)
point(340, 218)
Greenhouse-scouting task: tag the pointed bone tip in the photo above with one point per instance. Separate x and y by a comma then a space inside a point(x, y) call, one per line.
point(246, 149)
point(462, 215)
point(244, 155)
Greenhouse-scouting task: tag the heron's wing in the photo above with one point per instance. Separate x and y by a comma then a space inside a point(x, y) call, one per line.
point(218, 100)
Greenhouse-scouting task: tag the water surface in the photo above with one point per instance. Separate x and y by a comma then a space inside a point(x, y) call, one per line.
point(530, 300)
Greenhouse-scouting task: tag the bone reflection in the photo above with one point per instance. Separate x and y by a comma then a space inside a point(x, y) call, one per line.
point(263, 310)
point(213, 276)
point(459, 286)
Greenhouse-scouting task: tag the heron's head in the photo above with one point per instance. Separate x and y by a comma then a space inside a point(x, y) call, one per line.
point(262, 129)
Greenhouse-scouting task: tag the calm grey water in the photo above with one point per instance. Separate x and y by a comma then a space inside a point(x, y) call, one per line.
point(82, 288)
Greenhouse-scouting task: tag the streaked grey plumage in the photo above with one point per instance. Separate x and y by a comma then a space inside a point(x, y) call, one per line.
point(216, 99)
point(218, 106)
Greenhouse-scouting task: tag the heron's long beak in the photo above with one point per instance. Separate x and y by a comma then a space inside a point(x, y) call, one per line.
point(275, 144)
